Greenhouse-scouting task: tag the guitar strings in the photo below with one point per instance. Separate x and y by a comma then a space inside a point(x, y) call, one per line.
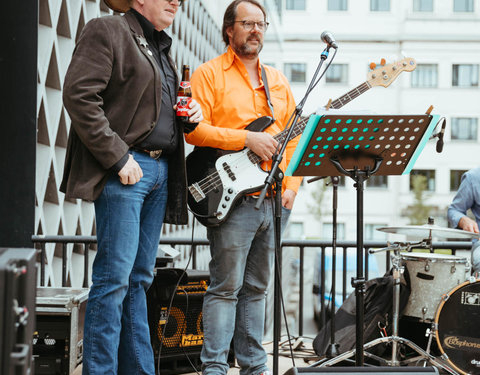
point(213, 180)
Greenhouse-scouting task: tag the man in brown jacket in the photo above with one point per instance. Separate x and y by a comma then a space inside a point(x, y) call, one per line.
point(125, 153)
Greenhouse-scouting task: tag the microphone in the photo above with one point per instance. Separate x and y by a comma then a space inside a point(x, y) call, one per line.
point(439, 146)
point(328, 38)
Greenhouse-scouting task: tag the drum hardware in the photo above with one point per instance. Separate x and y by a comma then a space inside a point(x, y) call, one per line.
point(394, 339)
point(429, 231)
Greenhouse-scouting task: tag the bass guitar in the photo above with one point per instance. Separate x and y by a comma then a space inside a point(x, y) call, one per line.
point(217, 179)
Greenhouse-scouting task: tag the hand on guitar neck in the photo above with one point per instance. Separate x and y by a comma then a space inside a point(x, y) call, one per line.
point(262, 144)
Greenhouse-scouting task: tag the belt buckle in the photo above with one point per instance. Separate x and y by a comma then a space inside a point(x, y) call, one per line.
point(155, 154)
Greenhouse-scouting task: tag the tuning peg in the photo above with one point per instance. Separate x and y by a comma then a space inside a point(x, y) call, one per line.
point(373, 65)
point(382, 62)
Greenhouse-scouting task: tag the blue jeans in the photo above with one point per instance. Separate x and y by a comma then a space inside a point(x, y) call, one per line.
point(129, 220)
point(242, 251)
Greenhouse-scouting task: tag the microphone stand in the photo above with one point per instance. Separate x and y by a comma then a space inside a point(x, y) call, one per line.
point(276, 175)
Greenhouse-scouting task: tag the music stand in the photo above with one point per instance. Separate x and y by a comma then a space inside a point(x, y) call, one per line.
point(334, 145)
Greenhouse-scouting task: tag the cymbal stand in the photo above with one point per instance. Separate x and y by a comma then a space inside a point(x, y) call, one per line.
point(394, 339)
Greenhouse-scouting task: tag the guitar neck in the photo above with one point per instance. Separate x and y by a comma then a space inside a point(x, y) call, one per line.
point(349, 96)
point(300, 125)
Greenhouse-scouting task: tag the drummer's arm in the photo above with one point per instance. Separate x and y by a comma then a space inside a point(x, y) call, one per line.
point(462, 202)
point(466, 223)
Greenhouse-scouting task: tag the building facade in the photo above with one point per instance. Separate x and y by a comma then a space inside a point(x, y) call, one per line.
point(443, 37)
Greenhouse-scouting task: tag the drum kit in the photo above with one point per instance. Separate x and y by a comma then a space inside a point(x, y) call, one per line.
point(443, 296)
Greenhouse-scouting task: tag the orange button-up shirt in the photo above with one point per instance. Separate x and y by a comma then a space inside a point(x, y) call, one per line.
point(229, 103)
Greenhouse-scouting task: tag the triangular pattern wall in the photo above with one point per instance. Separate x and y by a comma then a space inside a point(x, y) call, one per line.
point(196, 39)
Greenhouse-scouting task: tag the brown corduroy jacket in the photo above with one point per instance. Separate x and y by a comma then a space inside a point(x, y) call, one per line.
point(112, 92)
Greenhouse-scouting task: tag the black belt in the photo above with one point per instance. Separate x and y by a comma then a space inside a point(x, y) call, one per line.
point(155, 154)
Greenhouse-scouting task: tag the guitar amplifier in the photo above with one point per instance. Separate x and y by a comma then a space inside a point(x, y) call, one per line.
point(17, 302)
point(176, 331)
point(58, 340)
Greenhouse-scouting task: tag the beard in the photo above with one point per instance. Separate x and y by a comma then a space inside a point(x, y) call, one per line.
point(244, 50)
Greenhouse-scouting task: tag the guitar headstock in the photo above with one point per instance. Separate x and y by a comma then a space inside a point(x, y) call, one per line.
point(386, 74)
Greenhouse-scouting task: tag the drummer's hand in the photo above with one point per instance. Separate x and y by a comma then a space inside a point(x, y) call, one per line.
point(466, 223)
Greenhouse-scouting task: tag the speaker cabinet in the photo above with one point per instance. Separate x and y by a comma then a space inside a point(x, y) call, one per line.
point(362, 370)
point(176, 332)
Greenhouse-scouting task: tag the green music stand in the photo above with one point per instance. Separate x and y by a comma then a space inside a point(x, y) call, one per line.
point(359, 146)
point(356, 140)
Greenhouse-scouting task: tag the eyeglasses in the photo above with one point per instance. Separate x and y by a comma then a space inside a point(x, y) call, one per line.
point(250, 25)
point(180, 2)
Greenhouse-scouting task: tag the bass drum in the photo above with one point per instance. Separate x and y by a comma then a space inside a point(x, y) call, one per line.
point(457, 327)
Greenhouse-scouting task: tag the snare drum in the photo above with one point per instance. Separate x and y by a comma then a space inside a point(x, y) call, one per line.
point(457, 328)
point(431, 275)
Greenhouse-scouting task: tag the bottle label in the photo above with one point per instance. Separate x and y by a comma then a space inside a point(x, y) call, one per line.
point(185, 84)
point(183, 103)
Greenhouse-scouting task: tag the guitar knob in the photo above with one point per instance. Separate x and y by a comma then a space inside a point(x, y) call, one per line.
point(224, 205)
point(373, 65)
point(382, 62)
point(227, 198)
point(230, 191)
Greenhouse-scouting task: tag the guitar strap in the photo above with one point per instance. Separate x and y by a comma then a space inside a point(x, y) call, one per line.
point(267, 92)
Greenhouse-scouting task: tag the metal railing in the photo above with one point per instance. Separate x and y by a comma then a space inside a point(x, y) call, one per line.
point(342, 248)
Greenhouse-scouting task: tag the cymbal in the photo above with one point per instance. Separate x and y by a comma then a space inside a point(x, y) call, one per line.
point(430, 231)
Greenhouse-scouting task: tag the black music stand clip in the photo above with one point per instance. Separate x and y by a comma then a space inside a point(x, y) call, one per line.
point(333, 145)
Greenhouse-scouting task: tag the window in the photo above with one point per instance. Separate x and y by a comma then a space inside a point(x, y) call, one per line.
point(465, 75)
point(425, 75)
point(377, 181)
point(337, 73)
point(428, 173)
point(464, 128)
point(455, 179)
point(327, 231)
point(422, 6)
point(463, 5)
point(296, 4)
point(296, 72)
point(372, 234)
point(380, 5)
point(337, 4)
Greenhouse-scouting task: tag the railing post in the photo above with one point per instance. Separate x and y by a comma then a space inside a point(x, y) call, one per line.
point(194, 256)
point(43, 255)
point(300, 312)
point(64, 264)
point(85, 265)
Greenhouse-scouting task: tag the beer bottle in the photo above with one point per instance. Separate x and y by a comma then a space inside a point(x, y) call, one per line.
point(184, 95)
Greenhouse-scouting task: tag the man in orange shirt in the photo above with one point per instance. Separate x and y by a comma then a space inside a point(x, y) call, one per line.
point(231, 93)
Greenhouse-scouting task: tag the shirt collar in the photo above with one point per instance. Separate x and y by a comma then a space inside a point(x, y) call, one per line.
point(160, 37)
point(231, 56)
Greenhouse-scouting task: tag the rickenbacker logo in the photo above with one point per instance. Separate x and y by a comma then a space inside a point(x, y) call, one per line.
point(461, 343)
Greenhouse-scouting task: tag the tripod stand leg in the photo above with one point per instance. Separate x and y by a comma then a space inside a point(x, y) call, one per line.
point(430, 358)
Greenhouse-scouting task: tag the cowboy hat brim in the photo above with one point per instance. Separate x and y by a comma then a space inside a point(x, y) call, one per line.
point(120, 6)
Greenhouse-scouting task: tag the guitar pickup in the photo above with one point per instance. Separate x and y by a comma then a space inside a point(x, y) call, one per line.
point(196, 192)
point(229, 171)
